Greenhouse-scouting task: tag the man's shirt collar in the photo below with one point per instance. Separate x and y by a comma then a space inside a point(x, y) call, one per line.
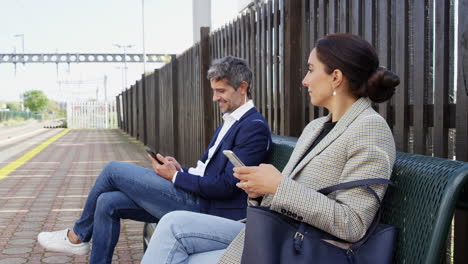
point(239, 112)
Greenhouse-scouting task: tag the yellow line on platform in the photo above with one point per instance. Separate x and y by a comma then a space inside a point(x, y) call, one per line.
point(20, 161)
point(34, 162)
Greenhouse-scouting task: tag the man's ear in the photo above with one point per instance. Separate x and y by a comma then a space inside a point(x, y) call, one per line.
point(243, 87)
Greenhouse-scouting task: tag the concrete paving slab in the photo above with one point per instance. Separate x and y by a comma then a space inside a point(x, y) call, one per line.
point(48, 193)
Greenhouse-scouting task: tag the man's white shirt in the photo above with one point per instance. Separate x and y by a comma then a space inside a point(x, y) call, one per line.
point(229, 120)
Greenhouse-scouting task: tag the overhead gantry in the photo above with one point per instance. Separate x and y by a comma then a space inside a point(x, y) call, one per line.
point(82, 58)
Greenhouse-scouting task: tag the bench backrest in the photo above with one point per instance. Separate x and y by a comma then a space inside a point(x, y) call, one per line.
point(281, 151)
point(420, 204)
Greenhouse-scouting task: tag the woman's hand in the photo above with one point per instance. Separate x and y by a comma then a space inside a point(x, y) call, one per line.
point(166, 170)
point(253, 195)
point(260, 180)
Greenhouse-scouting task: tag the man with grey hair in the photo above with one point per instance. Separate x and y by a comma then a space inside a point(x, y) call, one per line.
point(127, 191)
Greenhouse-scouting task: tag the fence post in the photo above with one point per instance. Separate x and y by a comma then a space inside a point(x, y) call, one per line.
point(461, 216)
point(142, 86)
point(420, 75)
point(130, 111)
point(441, 79)
point(118, 111)
point(106, 115)
point(127, 111)
point(462, 82)
point(124, 111)
point(69, 112)
point(292, 61)
point(400, 66)
point(205, 84)
point(135, 108)
point(175, 104)
point(145, 115)
point(156, 109)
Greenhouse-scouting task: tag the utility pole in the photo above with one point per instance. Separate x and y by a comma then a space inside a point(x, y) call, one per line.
point(143, 33)
point(105, 88)
point(22, 88)
point(201, 10)
point(22, 44)
point(124, 47)
point(15, 58)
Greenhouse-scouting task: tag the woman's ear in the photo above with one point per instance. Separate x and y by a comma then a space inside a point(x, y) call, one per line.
point(337, 78)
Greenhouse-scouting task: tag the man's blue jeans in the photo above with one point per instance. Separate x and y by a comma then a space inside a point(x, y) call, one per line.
point(126, 191)
point(187, 237)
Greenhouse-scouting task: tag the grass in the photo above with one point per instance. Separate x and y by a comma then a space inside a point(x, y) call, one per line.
point(16, 122)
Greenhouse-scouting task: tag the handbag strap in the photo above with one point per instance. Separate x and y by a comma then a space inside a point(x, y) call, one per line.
point(358, 183)
point(346, 185)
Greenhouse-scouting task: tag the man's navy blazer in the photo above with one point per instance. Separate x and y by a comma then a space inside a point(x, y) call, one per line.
point(250, 139)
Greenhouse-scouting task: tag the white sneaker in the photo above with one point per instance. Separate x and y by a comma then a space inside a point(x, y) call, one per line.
point(58, 241)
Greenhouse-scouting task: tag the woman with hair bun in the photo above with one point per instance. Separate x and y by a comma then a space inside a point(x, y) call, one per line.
point(353, 142)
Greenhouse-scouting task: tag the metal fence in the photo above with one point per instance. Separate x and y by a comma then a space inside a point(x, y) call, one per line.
point(415, 38)
point(7, 115)
point(92, 114)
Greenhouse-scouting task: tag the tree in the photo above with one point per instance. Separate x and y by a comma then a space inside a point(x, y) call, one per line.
point(35, 100)
point(53, 109)
point(14, 106)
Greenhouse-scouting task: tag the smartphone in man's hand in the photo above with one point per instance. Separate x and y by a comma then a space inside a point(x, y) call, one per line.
point(153, 154)
point(233, 158)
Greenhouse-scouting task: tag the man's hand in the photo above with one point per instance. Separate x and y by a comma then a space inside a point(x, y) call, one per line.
point(166, 170)
point(258, 180)
point(174, 162)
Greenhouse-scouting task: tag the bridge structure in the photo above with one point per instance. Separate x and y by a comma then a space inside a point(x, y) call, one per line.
point(83, 58)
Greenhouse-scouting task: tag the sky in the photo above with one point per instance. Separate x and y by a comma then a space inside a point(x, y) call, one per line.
point(92, 26)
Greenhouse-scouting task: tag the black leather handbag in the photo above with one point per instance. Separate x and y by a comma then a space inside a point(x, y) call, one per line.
point(271, 238)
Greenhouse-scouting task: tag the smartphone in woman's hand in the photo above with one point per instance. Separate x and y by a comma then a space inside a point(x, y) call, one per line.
point(233, 158)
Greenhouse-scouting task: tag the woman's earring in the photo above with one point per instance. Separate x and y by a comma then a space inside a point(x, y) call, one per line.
point(334, 92)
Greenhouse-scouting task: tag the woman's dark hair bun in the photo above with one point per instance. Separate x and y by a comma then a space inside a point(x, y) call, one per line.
point(381, 85)
point(359, 63)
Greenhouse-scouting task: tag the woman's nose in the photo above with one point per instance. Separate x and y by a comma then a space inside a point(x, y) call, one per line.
point(305, 83)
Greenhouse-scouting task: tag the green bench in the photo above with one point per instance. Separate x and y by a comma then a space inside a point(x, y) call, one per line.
point(420, 204)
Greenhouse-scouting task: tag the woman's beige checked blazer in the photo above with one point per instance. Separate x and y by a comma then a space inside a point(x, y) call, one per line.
point(360, 146)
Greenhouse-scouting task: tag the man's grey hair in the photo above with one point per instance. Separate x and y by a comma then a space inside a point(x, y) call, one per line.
point(232, 69)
